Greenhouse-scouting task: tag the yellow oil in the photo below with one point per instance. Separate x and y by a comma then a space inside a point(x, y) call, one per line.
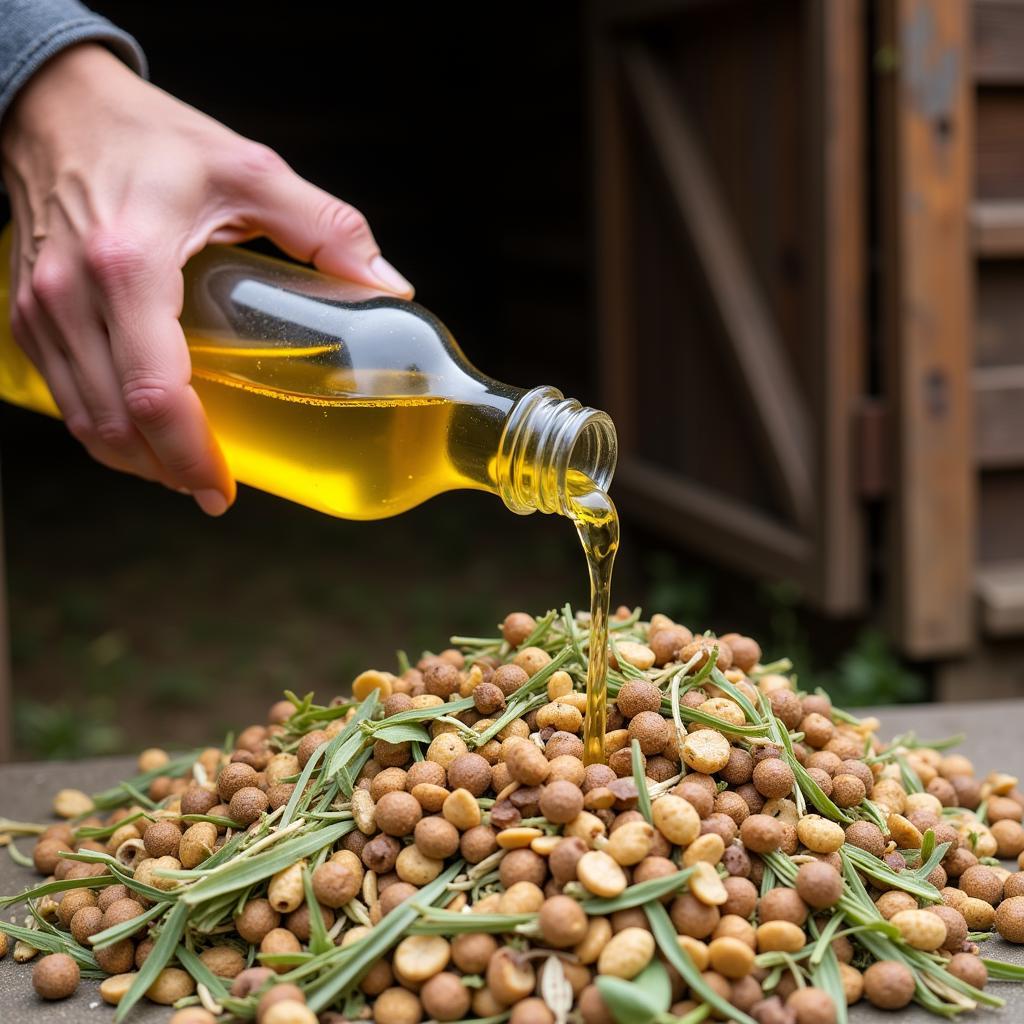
point(354, 457)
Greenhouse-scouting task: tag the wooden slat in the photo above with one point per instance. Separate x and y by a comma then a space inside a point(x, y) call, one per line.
point(925, 188)
point(999, 143)
point(836, 289)
point(872, 449)
point(706, 521)
point(734, 291)
point(999, 304)
point(997, 228)
point(1000, 589)
point(998, 42)
point(999, 417)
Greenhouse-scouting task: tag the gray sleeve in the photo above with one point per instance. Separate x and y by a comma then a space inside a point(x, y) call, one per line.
point(33, 31)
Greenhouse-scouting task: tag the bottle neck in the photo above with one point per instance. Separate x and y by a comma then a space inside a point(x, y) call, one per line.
point(550, 448)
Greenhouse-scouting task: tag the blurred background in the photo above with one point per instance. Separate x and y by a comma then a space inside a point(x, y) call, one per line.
point(781, 243)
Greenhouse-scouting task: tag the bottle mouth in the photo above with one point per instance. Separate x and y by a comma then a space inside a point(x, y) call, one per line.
point(550, 447)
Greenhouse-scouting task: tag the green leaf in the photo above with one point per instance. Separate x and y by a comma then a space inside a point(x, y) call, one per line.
point(213, 819)
point(120, 874)
point(909, 778)
point(117, 932)
point(628, 670)
point(654, 980)
point(665, 936)
point(637, 895)
point(318, 940)
point(50, 943)
point(116, 795)
point(159, 956)
point(808, 787)
point(640, 780)
point(402, 733)
point(696, 1015)
point(367, 951)
point(908, 881)
point(322, 753)
point(18, 857)
point(927, 845)
point(201, 974)
point(137, 796)
point(90, 832)
point(999, 970)
point(825, 972)
point(423, 714)
point(934, 858)
point(825, 937)
point(573, 634)
point(539, 631)
point(639, 1001)
point(441, 922)
point(354, 740)
point(47, 888)
point(255, 869)
point(735, 694)
point(696, 715)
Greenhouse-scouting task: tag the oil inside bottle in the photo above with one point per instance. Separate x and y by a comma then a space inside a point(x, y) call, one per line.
point(363, 448)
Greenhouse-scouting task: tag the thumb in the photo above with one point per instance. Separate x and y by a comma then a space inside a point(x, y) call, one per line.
point(312, 225)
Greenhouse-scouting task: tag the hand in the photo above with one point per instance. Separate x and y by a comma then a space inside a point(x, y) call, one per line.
point(114, 184)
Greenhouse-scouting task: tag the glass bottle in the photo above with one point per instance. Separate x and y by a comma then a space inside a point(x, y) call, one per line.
point(352, 401)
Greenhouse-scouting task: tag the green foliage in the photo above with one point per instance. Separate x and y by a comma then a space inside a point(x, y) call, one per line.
point(65, 731)
point(871, 673)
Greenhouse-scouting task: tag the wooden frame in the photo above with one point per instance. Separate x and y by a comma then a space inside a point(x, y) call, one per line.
point(925, 140)
point(809, 449)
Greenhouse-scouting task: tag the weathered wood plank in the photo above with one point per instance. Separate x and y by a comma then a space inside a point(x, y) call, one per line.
point(999, 416)
point(1000, 587)
point(998, 53)
point(837, 289)
point(997, 228)
point(999, 148)
point(925, 189)
point(999, 320)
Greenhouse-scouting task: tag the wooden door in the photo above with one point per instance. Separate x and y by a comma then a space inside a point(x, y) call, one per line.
point(729, 161)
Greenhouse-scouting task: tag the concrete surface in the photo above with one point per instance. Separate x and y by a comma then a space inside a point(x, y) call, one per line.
point(994, 735)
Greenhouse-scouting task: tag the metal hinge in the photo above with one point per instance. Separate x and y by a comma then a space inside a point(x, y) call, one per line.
point(873, 448)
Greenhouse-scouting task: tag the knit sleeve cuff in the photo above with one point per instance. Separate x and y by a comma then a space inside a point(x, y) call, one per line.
point(34, 32)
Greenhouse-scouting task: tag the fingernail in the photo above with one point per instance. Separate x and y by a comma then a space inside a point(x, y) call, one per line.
point(212, 502)
point(388, 276)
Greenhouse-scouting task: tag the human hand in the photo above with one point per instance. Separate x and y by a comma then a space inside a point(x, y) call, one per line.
point(114, 184)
